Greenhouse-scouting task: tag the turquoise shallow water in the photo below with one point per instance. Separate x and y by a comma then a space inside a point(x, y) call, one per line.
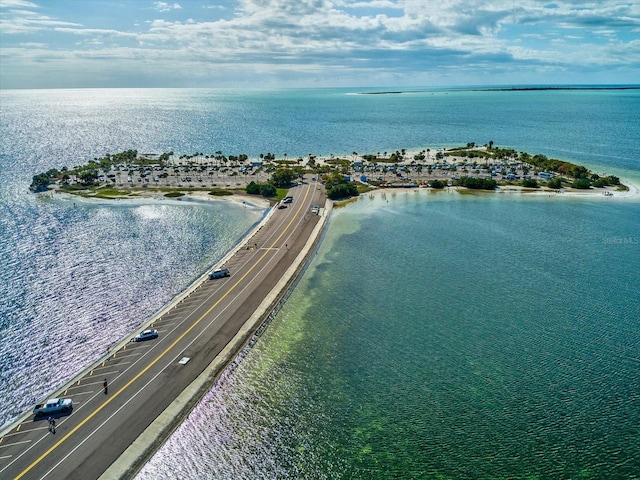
point(433, 336)
point(440, 336)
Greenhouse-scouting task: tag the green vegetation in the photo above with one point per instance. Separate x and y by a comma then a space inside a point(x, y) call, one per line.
point(362, 188)
point(41, 181)
point(601, 182)
point(264, 189)
point(581, 183)
point(110, 193)
point(220, 192)
point(337, 186)
point(478, 183)
point(555, 183)
point(282, 177)
point(100, 176)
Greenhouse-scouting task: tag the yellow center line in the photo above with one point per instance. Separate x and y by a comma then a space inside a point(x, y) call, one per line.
point(158, 358)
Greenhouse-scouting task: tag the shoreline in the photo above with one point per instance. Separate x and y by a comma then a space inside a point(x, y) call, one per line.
point(156, 196)
point(146, 197)
point(218, 178)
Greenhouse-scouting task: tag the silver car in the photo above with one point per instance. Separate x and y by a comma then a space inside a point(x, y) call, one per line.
point(146, 335)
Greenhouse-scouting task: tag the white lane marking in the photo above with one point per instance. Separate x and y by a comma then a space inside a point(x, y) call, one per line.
point(14, 443)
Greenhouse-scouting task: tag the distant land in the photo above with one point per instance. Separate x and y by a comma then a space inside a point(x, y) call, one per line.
point(514, 89)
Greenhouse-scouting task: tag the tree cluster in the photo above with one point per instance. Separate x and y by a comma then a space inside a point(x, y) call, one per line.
point(337, 186)
point(41, 181)
point(282, 177)
point(478, 183)
point(264, 189)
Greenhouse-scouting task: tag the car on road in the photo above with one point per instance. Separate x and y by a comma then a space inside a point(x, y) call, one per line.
point(287, 200)
point(53, 405)
point(220, 273)
point(281, 206)
point(146, 335)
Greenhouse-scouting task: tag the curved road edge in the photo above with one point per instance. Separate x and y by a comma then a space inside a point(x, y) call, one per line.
point(155, 435)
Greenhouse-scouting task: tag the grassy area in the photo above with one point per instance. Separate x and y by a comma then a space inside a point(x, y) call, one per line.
point(364, 188)
point(281, 193)
point(111, 193)
point(106, 192)
point(220, 192)
point(345, 202)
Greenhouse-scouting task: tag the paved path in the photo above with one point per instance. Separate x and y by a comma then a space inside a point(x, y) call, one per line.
point(153, 384)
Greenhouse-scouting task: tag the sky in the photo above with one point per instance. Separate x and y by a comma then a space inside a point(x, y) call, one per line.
point(317, 43)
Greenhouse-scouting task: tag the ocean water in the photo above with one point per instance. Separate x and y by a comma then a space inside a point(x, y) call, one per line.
point(440, 336)
point(80, 276)
point(432, 336)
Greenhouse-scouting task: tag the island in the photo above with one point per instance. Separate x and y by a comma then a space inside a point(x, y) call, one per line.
point(472, 167)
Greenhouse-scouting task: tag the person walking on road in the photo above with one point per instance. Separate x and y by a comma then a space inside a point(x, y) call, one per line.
point(52, 425)
point(105, 386)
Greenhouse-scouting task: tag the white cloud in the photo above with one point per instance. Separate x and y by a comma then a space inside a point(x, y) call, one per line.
point(97, 31)
point(26, 21)
point(17, 3)
point(370, 4)
point(166, 7)
point(380, 39)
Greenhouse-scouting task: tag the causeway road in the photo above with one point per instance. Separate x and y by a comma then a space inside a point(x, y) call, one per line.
point(153, 384)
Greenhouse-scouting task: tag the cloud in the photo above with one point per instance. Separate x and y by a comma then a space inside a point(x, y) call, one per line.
point(371, 4)
point(17, 3)
point(357, 39)
point(166, 7)
point(97, 31)
point(26, 21)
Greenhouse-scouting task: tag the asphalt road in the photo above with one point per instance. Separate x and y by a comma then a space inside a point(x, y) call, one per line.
point(144, 378)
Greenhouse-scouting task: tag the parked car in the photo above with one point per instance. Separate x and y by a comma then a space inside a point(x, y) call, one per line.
point(146, 335)
point(220, 273)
